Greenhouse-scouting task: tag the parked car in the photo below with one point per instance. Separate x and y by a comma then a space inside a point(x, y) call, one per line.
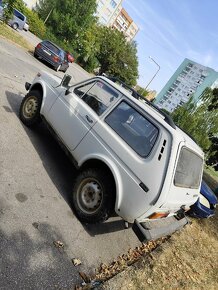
point(70, 57)
point(206, 203)
point(132, 158)
point(26, 26)
point(18, 21)
point(52, 54)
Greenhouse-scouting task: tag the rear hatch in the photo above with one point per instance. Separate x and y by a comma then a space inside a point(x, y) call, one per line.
point(50, 51)
point(186, 180)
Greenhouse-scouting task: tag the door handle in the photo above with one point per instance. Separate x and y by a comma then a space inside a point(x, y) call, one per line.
point(89, 119)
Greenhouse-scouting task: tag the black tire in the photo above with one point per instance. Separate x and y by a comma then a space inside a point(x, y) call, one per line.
point(93, 195)
point(30, 109)
point(15, 26)
point(58, 67)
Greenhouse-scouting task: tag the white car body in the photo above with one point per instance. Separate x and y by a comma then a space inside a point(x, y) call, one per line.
point(144, 185)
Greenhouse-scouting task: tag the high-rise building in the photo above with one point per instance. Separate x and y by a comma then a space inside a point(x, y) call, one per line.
point(189, 80)
point(110, 13)
point(106, 10)
point(123, 22)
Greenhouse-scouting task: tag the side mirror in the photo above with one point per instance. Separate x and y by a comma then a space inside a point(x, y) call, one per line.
point(65, 81)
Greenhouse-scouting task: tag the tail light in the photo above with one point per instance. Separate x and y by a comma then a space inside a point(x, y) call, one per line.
point(39, 45)
point(56, 58)
point(158, 215)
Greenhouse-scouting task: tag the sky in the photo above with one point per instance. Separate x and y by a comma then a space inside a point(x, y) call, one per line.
point(171, 30)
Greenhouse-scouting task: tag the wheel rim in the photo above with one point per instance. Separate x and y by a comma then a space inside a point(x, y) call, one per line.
point(15, 26)
point(89, 195)
point(30, 107)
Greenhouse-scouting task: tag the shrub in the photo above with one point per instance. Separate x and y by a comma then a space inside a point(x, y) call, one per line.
point(37, 26)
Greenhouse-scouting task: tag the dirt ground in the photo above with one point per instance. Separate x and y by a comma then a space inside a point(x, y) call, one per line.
point(188, 260)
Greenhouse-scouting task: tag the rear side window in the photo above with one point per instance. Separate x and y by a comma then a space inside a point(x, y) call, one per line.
point(52, 47)
point(188, 170)
point(134, 128)
point(18, 15)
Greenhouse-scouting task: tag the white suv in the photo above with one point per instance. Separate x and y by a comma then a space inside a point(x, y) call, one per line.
point(131, 157)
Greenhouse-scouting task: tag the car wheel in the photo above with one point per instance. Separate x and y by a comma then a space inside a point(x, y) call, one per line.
point(58, 68)
point(15, 26)
point(93, 196)
point(30, 109)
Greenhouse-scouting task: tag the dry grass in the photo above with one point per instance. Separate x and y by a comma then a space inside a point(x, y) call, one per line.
point(8, 33)
point(188, 261)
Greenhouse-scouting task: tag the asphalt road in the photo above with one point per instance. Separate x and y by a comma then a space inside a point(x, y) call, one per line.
point(35, 183)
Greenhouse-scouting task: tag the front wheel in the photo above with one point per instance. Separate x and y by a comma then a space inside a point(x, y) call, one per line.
point(93, 195)
point(30, 108)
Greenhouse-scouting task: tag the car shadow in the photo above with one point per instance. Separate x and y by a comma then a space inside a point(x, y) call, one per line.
point(58, 166)
point(35, 262)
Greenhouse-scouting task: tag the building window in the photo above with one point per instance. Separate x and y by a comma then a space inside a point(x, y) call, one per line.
point(113, 3)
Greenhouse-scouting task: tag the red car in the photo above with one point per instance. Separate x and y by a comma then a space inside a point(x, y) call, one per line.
point(70, 57)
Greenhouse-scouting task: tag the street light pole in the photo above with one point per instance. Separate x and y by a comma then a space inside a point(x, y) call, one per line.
point(155, 72)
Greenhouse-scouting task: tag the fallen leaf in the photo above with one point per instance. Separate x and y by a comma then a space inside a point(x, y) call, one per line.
point(58, 244)
point(76, 262)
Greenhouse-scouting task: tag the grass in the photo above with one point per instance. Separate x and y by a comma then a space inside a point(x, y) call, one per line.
point(8, 33)
point(188, 261)
point(212, 172)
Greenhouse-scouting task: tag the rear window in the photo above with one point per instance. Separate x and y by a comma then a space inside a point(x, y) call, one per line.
point(134, 128)
point(52, 47)
point(188, 170)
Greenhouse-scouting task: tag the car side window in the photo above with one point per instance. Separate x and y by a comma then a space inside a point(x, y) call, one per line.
point(18, 15)
point(134, 128)
point(98, 95)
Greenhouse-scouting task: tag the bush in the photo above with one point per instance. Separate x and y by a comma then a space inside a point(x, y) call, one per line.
point(37, 26)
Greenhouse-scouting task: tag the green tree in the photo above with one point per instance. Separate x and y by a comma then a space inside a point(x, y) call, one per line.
point(143, 92)
point(200, 121)
point(8, 9)
point(67, 19)
point(116, 56)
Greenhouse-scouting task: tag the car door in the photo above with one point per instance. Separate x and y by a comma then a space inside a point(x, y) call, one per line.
point(74, 114)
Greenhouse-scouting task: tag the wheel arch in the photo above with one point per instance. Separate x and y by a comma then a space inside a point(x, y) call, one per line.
point(110, 167)
point(41, 88)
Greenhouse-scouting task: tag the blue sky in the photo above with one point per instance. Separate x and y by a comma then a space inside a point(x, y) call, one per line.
point(171, 30)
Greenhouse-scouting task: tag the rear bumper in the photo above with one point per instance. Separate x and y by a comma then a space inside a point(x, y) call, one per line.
point(198, 210)
point(154, 229)
point(39, 52)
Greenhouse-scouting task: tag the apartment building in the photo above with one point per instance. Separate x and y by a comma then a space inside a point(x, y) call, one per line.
point(107, 10)
point(189, 80)
point(123, 22)
point(111, 13)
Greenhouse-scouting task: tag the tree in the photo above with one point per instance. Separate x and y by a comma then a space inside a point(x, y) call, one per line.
point(200, 120)
point(143, 92)
point(8, 9)
point(116, 56)
point(68, 19)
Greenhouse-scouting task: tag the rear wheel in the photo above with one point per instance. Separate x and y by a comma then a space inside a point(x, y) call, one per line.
point(93, 195)
point(15, 26)
point(58, 68)
point(30, 108)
